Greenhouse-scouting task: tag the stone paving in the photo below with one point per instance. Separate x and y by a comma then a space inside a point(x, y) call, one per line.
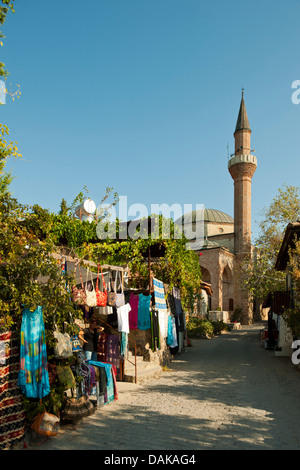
point(224, 393)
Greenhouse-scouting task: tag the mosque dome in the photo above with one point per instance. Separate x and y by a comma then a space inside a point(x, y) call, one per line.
point(208, 215)
point(207, 228)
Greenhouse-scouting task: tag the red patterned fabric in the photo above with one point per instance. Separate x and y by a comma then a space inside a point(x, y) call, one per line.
point(12, 415)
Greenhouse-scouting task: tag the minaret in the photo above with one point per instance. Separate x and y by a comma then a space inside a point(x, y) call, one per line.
point(242, 167)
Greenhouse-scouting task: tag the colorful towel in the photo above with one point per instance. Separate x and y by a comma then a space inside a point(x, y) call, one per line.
point(159, 294)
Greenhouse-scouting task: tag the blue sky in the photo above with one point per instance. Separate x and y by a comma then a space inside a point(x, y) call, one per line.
point(143, 96)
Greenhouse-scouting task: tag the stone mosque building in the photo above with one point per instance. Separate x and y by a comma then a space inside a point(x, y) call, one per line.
point(227, 240)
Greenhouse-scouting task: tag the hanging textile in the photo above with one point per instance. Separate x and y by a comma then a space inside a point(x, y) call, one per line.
point(159, 295)
point(175, 325)
point(172, 336)
point(123, 318)
point(133, 314)
point(155, 336)
point(124, 343)
point(177, 300)
point(144, 320)
point(102, 346)
point(163, 325)
point(171, 302)
point(113, 352)
point(33, 375)
point(102, 398)
point(111, 393)
point(12, 415)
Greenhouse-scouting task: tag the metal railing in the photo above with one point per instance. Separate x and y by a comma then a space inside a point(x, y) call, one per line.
point(122, 362)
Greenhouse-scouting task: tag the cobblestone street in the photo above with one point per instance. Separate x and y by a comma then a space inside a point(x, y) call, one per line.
point(224, 393)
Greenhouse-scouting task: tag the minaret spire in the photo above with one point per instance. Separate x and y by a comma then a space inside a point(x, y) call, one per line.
point(242, 121)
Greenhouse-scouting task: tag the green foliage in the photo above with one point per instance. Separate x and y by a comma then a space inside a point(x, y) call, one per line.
point(292, 314)
point(237, 314)
point(4, 9)
point(199, 327)
point(177, 267)
point(219, 327)
point(258, 274)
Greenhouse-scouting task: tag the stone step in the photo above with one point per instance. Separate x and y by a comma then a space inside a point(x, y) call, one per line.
point(130, 356)
point(145, 371)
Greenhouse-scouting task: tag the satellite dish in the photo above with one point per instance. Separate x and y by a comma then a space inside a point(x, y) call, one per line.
point(85, 210)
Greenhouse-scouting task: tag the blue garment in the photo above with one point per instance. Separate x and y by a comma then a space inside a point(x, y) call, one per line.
point(172, 336)
point(144, 319)
point(109, 378)
point(33, 377)
point(124, 343)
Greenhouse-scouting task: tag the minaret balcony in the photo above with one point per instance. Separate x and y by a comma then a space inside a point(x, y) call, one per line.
point(249, 158)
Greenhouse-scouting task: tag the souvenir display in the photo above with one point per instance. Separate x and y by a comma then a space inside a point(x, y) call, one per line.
point(12, 415)
point(78, 294)
point(133, 314)
point(90, 295)
point(63, 348)
point(144, 321)
point(111, 294)
point(101, 296)
point(46, 424)
point(120, 297)
point(33, 375)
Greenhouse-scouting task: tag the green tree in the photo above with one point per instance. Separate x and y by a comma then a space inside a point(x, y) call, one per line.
point(258, 274)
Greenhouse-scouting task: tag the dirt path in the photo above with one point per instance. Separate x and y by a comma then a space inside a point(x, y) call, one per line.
point(224, 393)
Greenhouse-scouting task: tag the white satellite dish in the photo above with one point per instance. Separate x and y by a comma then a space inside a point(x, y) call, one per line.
point(85, 210)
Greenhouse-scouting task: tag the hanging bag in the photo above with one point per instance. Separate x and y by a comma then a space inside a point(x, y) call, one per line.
point(78, 294)
point(65, 377)
point(120, 298)
point(91, 299)
point(101, 296)
point(111, 295)
point(76, 346)
point(63, 347)
point(46, 424)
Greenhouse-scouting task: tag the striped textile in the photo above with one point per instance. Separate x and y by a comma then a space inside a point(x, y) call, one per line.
point(159, 295)
point(12, 415)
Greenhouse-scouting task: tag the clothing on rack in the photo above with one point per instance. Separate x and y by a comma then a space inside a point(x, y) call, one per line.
point(111, 392)
point(163, 323)
point(33, 375)
point(133, 314)
point(12, 415)
point(172, 335)
point(108, 350)
point(123, 318)
point(113, 352)
point(144, 320)
point(124, 344)
point(159, 295)
point(155, 334)
point(102, 347)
